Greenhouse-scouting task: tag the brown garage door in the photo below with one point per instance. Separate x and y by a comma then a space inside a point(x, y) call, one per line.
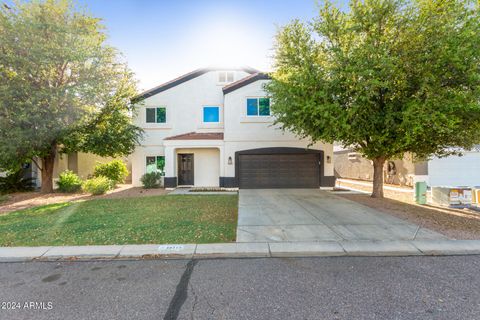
point(263, 171)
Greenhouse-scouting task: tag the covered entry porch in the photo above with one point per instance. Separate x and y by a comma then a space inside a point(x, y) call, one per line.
point(194, 159)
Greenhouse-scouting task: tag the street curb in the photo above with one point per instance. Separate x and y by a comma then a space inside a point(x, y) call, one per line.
point(244, 250)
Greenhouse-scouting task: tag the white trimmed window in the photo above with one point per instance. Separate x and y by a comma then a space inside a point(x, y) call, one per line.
point(156, 164)
point(156, 115)
point(225, 76)
point(211, 114)
point(258, 107)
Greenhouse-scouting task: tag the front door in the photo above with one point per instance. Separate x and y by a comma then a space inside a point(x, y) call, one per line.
point(185, 169)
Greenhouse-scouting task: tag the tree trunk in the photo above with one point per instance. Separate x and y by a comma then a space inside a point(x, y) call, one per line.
point(47, 171)
point(378, 177)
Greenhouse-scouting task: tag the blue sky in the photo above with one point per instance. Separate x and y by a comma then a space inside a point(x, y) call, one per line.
point(164, 39)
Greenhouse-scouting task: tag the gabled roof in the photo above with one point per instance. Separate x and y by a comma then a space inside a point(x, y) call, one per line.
point(185, 78)
point(243, 82)
point(197, 136)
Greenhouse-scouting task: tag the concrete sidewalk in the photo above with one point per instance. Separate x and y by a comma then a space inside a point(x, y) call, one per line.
point(243, 250)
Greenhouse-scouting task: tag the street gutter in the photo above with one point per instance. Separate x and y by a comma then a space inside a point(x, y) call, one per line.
point(243, 250)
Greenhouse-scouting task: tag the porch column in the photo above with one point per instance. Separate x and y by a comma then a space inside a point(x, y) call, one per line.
point(170, 173)
point(222, 161)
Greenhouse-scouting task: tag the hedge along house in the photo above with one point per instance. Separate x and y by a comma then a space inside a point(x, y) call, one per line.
point(83, 164)
point(213, 128)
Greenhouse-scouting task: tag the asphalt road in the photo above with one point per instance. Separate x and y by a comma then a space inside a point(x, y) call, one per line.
point(310, 288)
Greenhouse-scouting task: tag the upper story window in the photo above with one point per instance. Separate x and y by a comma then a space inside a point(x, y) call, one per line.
point(156, 115)
point(258, 107)
point(225, 76)
point(211, 114)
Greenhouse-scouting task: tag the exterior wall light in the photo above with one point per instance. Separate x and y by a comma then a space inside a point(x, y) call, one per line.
point(230, 160)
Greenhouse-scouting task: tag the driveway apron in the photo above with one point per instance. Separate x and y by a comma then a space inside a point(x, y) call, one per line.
point(317, 215)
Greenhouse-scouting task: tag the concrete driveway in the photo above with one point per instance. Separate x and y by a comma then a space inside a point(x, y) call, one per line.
point(316, 215)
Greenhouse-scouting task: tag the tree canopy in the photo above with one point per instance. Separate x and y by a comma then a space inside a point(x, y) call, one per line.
point(384, 77)
point(62, 87)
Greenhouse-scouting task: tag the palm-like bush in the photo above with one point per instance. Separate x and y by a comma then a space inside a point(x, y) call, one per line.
point(16, 182)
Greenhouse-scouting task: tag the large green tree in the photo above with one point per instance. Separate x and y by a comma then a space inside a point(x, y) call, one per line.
point(62, 88)
point(384, 77)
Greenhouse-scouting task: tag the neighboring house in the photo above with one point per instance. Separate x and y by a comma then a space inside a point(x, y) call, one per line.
point(456, 170)
point(212, 128)
point(450, 171)
point(80, 163)
point(403, 172)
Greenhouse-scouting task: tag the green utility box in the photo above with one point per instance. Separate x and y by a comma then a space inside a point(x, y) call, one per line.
point(421, 192)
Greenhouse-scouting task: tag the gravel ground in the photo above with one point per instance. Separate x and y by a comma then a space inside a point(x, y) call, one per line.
point(455, 224)
point(23, 200)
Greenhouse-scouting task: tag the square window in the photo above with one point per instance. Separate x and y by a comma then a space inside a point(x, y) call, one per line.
point(161, 115)
point(264, 106)
point(252, 107)
point(156, 164)
point(150, 115)
point(225, 76)
point(156, 115)
point(222, 77)
point(211, 114)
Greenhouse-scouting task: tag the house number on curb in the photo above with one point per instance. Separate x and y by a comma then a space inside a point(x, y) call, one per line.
point(170, 248)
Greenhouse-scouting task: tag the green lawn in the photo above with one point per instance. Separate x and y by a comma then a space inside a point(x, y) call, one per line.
point(157, 219)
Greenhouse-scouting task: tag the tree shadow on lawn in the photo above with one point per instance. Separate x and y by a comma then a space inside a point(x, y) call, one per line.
point(172, 219)
point(24, 200)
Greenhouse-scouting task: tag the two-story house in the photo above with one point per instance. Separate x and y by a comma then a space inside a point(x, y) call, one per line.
point(213, 128)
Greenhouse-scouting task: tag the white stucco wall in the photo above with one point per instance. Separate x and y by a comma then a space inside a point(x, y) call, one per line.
point(206, 163)
point(184, 112)
point(243, 132)
point(139, 161)
point(184, 106)
point(455, 170)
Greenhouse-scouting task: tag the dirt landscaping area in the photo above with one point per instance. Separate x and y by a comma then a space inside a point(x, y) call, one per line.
point(24, 200)
point(404, 194)
point(454, 223)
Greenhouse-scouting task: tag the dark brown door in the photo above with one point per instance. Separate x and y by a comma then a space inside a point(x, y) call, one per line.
point(185, 169)
point(263, 171)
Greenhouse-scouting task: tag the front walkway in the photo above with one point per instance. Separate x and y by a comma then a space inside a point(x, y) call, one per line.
point(269, 215)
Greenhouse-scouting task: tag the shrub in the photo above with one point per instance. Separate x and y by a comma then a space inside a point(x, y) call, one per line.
point(97, 185)
point(151, 180)
point(68, 181)
point(16, 182)
point(114, 170)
